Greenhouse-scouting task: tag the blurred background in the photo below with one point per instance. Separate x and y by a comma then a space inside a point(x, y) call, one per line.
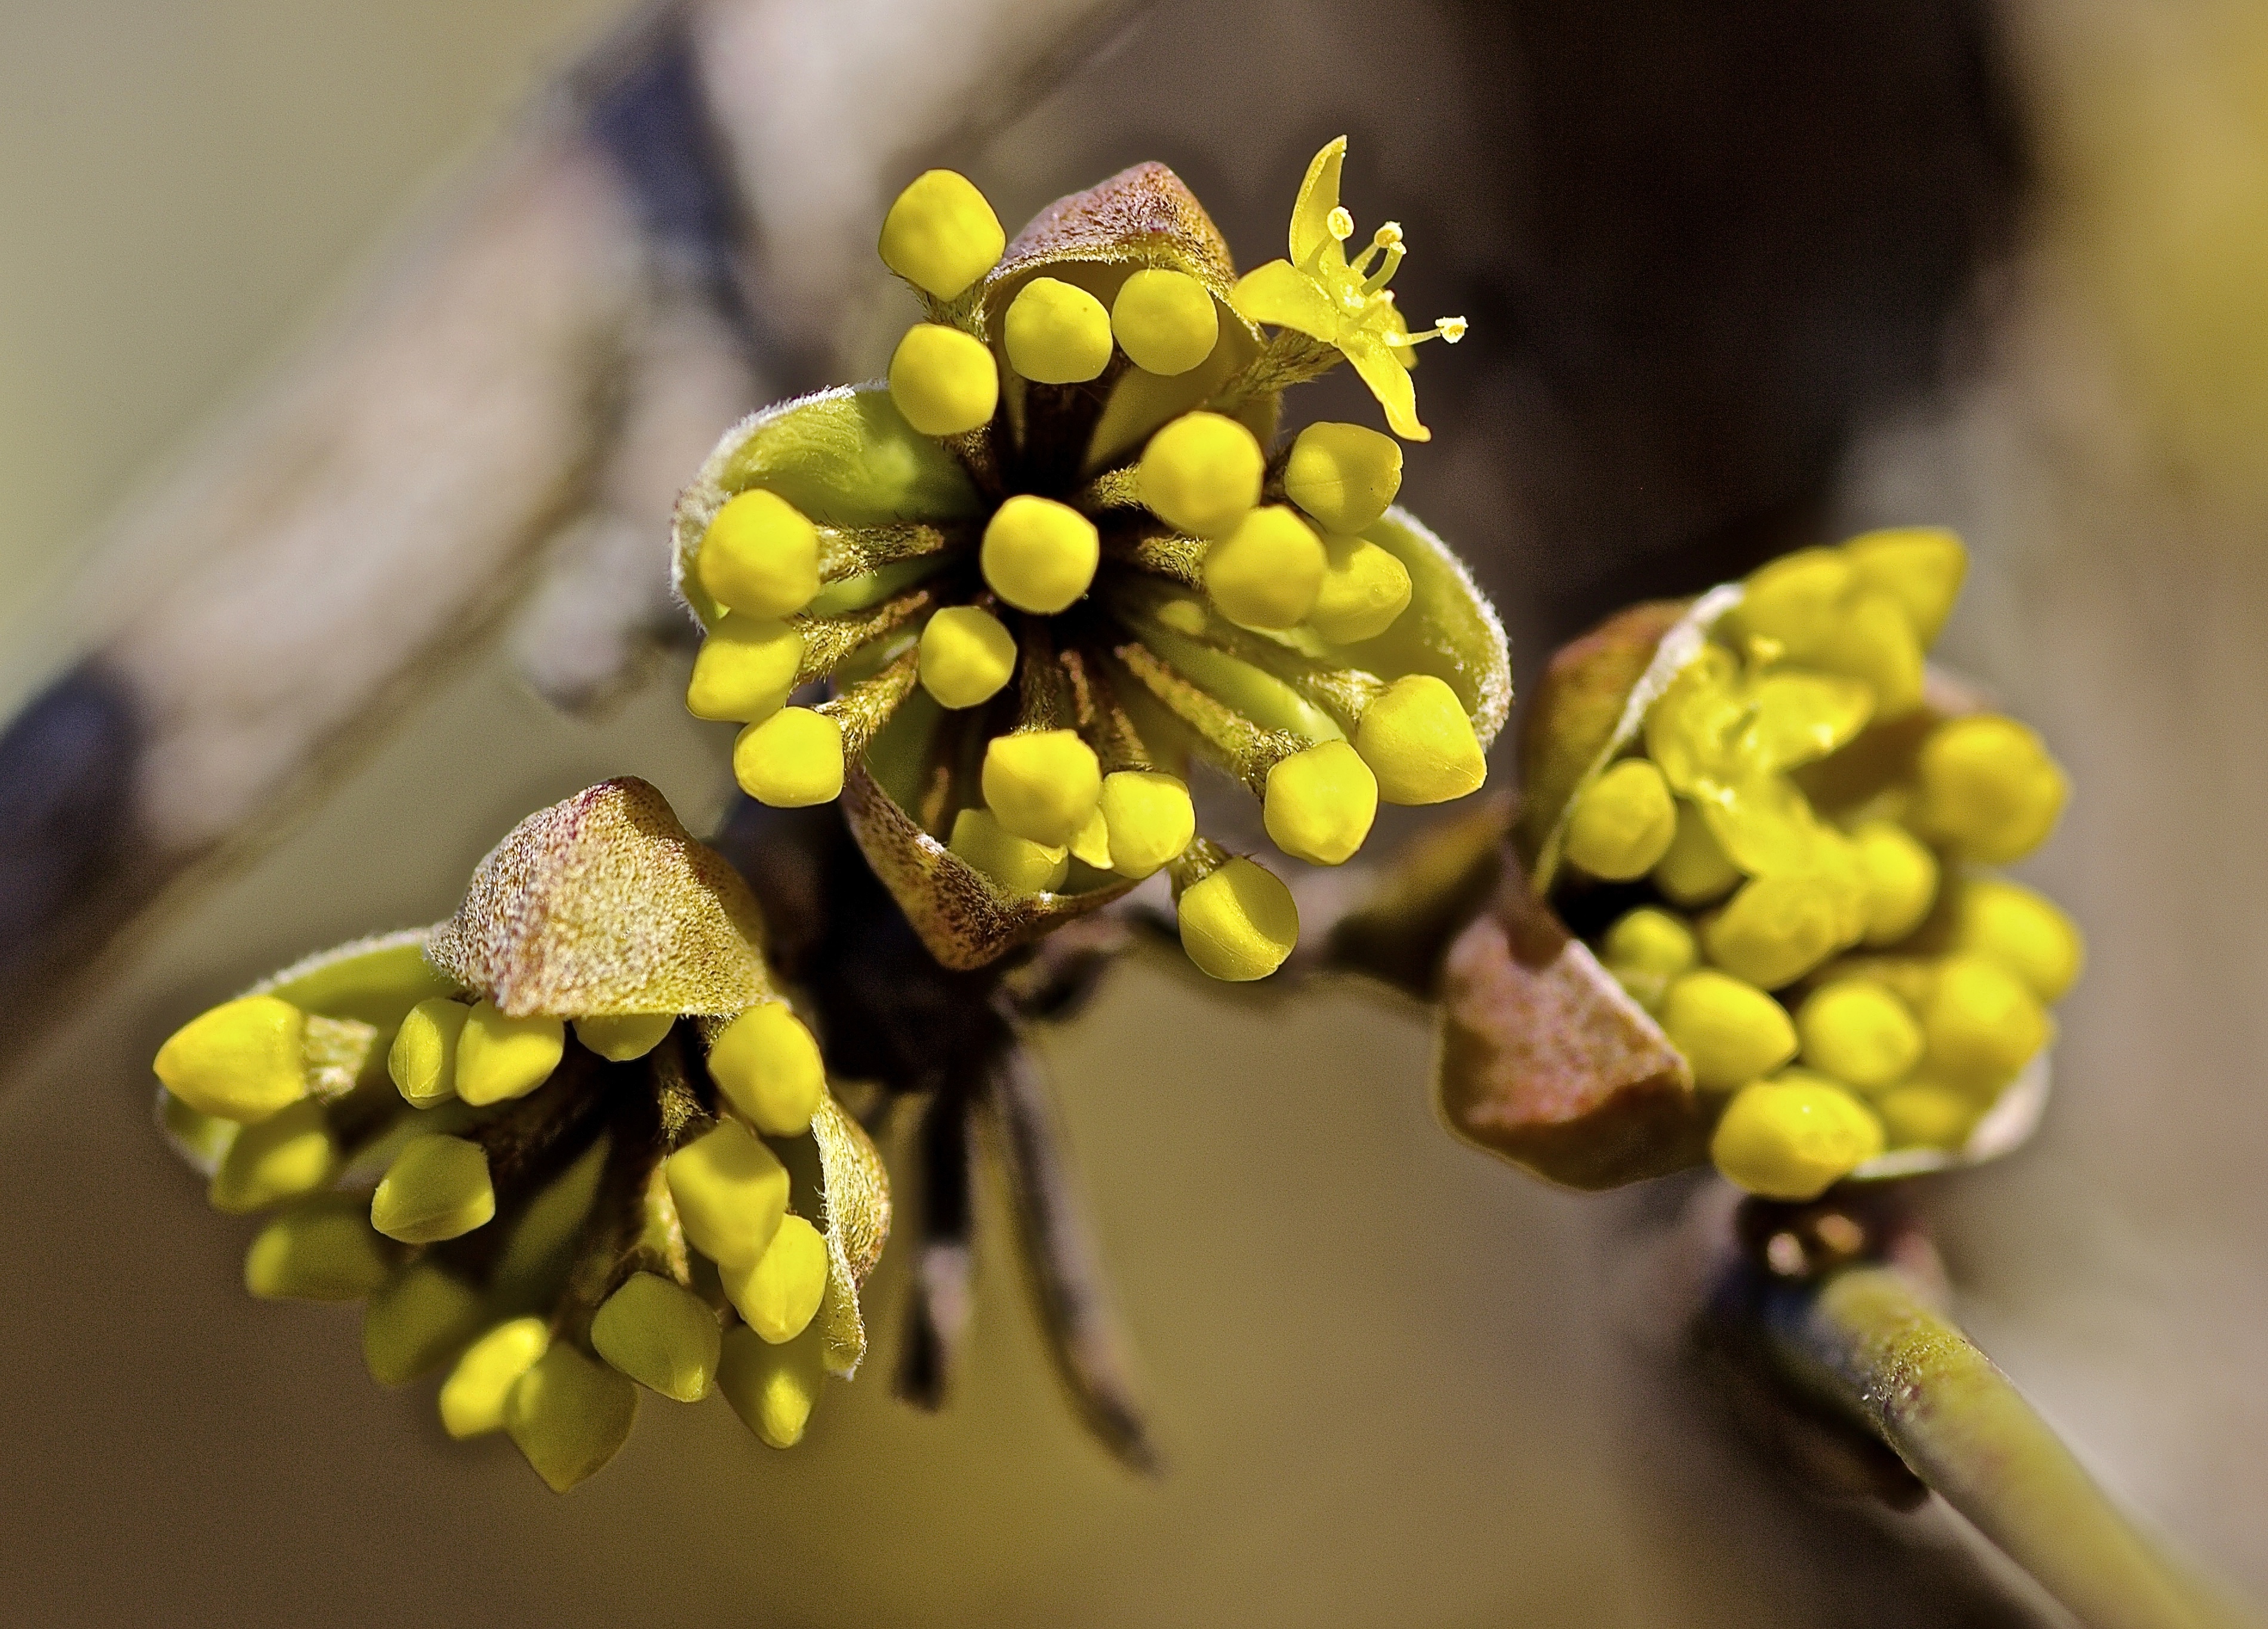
point(1741, 276)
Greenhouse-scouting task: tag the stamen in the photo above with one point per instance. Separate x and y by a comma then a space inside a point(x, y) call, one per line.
point(1339, 223)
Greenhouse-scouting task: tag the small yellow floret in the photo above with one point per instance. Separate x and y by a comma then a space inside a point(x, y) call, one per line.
point(1874, 641)
point(1989, 787)
point(968, 656)
point(940, 235)
point(438, 1188)
point(1056, 334)
point(760, 556)
point(1019, 864)
point(1268, 571)
point(1920, 567)
point(731, 1192)
point(772, 1388)
point(1039, 555)
point(943, 381)
point(1923, 1115)
point(1345, 476)
point(1645, 949)
point(1041, 784)
point(1165, 321)
point(1798, 600)
point(661, 1335)
point(791, 759)
point(1729, 1031)
point(1859, 1033)
point(569, 1415)
point(1981, 1023)
point(500, 1057)
point(1775, 930)
point(2024, 932)
point(620, 1037)
point(745, 669)
point(1320, 803)
point(1621, 823)
point(239, 1061)
point(322, 1252)
point(423, 1060)
point(1363, 592)
point(1149, 819)
point(1240, 923)
point(1201, 473)
point(1695, 869)
point(292, 1152)
point(1901, 875)
point(1794, 1140)
point(473, 1398)
point(416, 1322)
point(780, 1294)
point(768, 1066)
point(1419, 743)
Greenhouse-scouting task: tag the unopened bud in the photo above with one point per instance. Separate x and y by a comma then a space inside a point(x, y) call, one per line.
point(1201, 474)
point(731, 1192)
point(500, 1057)
point(1240, 923)
point(570, 1416)
point(1345, 476)
point(1165, 321)
point(780, 1293)
point(768, 1067)
point(239, 1061)
point(660, 1334)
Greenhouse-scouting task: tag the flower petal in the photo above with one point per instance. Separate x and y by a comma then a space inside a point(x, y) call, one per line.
point(1319, 196)
point(1390, 382)
point(1279, 292)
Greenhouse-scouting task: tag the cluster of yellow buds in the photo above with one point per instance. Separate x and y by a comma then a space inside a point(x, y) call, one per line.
point(1054, 560)
point(569, 1144)
point(1778, 852)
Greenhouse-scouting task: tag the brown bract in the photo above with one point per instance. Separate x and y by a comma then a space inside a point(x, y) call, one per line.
point(1144, 215)
point(857, 1226)
point(1575, 709)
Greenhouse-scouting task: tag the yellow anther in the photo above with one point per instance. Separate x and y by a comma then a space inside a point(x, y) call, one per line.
point(473, 1397)
point(1345, 476)
point(422, 1059)
point(1989, 787)
point(1794, 1140)
point(943, 381)
point(780, 1293)
point(1320, 803)
point(1621, 825)
point(1017, 864)
point(291, 1153)
point(1201, 473)
point(791, 759)
point(731, 1192)
point(1920, 567)
point(1450, 329)
point(2024, 932)
point(1645, 949)
point(570, 1416)
point(1150, 818)
point(1165, 321)
point(1240, 923)
point(417, 1320)
point(745, 670)
point(1339, 223)
point(1694, 870)
point(1419, 743)
point(1056, 334)
point(620, 1036)
point(661, 1335)
point(1926, 1116)
point(1092, 846)
point(322, 1252)
point(239, 1061)
point(1729, 1031)
point(760, 556)
point(1981, 1024)
point(1042, 785)
point(1859, 1033)
point(772, 1388)
point(438, 1188)
point(1039, 555)
point(500, 1057)
point(1798, 600)
point(967, 655)
point(941, 235)
point(769, 1068)
point(1364, 591)
point(1776, 930)
point(1901, 877)
point(1268, 571)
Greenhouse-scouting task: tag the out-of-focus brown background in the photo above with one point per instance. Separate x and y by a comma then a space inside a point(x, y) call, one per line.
point(1395, 1381)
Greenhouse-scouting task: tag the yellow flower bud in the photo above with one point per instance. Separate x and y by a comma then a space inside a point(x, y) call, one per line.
point(760, 556)
point(1621, 825)
point(1651, 941)
point(968, 656)
point(1798, 600)
point(620, 1036)
point(239, 1061)
point(438, 1188)
point(416, 1322)
point(1924, 1114)
point(769, 1068)
point(1056, 334)
point(1320, 803)
point(661, 1335)
point(291, 1153)
point(1981, 1024)
point(1364, 591)
point(1775, 930)
point(423, 1060)
point(1149, 819)
point(500, 1057)
point(1039, 555)
point(1989, 787)
point(322, 1252)
point(745, 670)
point(1729, 1031)
point(1092, 846)
point(731, 1192)
point(1874, 641)
point(474, 1396)
point(1201, 474)
point(1419, 743)
point(1901, 875)
point(1041, 784)
point(779, 1294)
point(1920, 567)
point(1240, 923)
point(202, 1139)
point(570, 1416)
point(2024, 932)
point(943, 381)
point(1793, 1139)
point(1268, 571)
point(791, 759)
point(1859, 1033)
point(940, 235)
point(772, 1388)
point(1694, 870)
point(1345, 476)
point(1017, 864)
point(1165, 321)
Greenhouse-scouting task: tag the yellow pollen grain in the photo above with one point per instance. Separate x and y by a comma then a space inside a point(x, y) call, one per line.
point(1017, 864)
point(1729, 1030)
point(731, 1192)
point(1419, 743)
point(966, 656)
point(1149, 816)
point(1859, 1033)
point(438, 1188)
point(745, 669)
point(1345, 476)
point(423, 1060)
point(1621, 825)
point(768, 1065)
point(661, 1335)
point(500, 1057)
point(780, 1293)
point(1363, 592)
point(1238, 924)
point(1041, 785)
point(1791, 1140)
point(1989, 787)
point(239, 1061)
